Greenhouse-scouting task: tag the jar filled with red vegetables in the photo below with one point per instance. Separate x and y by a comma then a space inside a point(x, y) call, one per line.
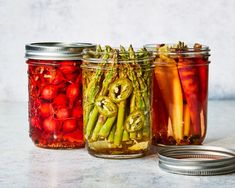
point(55, 94)
point(180, 91)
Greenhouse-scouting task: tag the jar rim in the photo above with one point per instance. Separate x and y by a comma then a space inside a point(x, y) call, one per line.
point(109, 66)
point(153, 47)
point(56, 50)
point(110, 60)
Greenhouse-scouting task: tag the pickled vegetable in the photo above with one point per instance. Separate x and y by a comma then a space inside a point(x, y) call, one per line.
point(55, 103)
point(180, 92)
point(116, 101)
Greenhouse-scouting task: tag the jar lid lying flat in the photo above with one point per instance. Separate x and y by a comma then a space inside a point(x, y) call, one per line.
point(56, 50)
point(197, 160)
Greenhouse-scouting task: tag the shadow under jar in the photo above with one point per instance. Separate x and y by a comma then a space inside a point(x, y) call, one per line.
point(180, 93)
point(55, 94)
point(116, 102)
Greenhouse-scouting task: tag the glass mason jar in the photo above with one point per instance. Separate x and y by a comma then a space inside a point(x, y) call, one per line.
point(116, 102)
point(180, 91)
point(55, 94)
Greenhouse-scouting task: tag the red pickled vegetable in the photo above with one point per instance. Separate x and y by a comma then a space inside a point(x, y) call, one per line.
point(72, 93)
point(203, 78)
point(62, 87)
point(190, 84)
point(39, 70)
point(69, 125)
point(77, 112)
point(79, 79)
point(203, 94)
point(46, 109)
point(50, 125)
point(62, 113)
point(33, 90)
point(49, 92)
point(58, 78)
point(71, 78)
point(76, 136)
point(60, 100)
point(35, 122)
point(34, 106)
point(49, 74)
point(67, 67)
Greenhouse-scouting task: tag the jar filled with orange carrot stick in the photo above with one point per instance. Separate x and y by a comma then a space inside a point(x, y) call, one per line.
point(180, 93)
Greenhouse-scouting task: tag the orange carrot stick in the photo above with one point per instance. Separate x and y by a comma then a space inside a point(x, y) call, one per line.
point(159, 116)
point(169, 83)
point(186, 120)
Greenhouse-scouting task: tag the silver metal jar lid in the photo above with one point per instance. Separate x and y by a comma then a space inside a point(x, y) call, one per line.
point(56, 50)
point(197, 160)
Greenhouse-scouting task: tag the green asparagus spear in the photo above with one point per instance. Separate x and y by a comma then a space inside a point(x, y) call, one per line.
point(143, 92)
point(120, 123)
point(140, 101)
point(146, 93)
point(111, 134)
point(98, 126)
point(104, 107)
point(92, 89)
point(125, 136)
point(145, 55)
point(110, 75)
point(91, 117)
point(120, 133)
point(105, 130)
point(91, 123)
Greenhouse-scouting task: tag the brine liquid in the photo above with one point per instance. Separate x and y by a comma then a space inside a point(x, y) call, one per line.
point(129, 149)
point(55, 104)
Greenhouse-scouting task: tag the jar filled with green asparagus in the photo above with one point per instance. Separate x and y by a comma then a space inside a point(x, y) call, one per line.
point(116, 101)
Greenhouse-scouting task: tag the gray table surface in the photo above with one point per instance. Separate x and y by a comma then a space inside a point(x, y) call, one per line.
point(24, 165)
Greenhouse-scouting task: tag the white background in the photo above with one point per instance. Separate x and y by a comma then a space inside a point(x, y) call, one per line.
point(114, 22)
